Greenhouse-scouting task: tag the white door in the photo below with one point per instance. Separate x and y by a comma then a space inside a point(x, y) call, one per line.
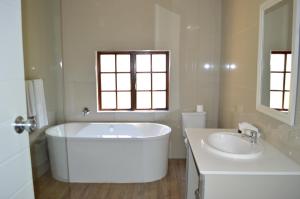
point(15, 164)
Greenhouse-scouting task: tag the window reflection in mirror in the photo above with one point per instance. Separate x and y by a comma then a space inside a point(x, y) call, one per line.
point(280, 79)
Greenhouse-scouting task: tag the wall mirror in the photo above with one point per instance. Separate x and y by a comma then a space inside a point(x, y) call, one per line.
point(278, 59)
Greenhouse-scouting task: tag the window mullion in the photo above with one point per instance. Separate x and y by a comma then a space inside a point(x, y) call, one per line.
point(99, 81)
point(133, 80)
point(151, 81)
point(116, 82)
point(284, 77)
point(167, 80)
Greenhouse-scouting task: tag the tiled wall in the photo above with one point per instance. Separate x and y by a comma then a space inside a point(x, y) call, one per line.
point(42, 57)
point(42, 51)
point(189, 29)
point(238, 87)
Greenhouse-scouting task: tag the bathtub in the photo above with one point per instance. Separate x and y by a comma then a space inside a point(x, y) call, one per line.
point(108, 152)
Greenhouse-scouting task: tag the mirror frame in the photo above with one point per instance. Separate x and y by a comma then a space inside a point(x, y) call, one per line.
point(288, 118)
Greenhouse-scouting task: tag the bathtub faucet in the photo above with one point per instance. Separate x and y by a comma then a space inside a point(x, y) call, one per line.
point(85, 111)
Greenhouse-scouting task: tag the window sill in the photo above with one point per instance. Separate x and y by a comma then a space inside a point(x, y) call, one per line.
point(139, 111)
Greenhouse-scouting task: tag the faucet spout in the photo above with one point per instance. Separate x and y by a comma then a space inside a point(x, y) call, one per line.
point(251, 134)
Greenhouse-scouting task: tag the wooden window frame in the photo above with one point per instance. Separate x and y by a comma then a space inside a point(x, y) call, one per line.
point(133, 73)
point(284, 72)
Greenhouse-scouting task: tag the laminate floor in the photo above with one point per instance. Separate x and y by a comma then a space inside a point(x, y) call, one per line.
point(170, 187)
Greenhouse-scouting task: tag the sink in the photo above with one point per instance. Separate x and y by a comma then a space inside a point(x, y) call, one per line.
point(233, 145)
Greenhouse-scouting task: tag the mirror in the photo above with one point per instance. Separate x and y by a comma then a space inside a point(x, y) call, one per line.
point(278, 59)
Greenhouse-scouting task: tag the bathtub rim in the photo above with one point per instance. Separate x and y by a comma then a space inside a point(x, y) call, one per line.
point(169, 131)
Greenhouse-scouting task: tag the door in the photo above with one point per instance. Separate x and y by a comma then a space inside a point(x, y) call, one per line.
point(15, 164)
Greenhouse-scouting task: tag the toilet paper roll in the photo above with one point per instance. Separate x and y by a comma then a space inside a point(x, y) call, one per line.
point(199, 108)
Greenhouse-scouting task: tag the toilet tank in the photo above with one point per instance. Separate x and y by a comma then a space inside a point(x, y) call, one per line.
point(193, 120)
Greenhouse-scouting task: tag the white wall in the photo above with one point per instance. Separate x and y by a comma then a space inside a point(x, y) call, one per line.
point(190, 29)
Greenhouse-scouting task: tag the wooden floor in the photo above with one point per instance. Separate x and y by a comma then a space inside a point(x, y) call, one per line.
point(170, 187)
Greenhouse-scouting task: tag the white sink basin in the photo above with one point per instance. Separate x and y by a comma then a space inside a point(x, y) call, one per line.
point(232, 145)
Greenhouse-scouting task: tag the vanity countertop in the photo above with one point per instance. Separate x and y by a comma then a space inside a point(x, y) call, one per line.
point(270, 162)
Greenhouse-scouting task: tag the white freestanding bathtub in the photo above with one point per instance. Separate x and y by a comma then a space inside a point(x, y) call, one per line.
point(108, 152)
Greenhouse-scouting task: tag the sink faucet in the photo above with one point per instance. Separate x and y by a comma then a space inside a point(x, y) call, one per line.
point(252, 137)
point(85, 111)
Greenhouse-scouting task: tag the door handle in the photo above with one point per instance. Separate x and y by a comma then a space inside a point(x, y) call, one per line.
point(20, 124)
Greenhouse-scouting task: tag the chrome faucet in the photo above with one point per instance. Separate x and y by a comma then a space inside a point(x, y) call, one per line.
point(85, 111)
point(252, 137)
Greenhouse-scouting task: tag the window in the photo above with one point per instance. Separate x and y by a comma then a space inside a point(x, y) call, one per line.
point(280, 78)
point(133, 80)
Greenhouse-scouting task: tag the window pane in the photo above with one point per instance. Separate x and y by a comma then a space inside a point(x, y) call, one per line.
point(143, 63)
point(276, 99)
point(159, 99)
point(143, 100)
point(123, 63)
point(277, 62)
point(159, 81)
point(276, 81)
point(124, 100)
point(287, 81)
point(108, 100)
point(143, 81)
point(159, 62)
point(108, 82)
point(107, 63)
point(289, 63)
point(124, 81)
point(286, 100)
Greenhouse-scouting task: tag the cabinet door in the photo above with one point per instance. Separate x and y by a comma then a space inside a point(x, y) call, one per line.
point(192, 176)
point(252, 186)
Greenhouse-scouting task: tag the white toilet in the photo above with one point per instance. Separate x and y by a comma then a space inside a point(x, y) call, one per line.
point(191, 120)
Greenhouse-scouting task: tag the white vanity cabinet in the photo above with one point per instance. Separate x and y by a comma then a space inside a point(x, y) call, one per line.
point(272, 175)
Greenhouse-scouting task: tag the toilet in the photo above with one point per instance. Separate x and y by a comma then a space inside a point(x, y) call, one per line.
point(191, 120)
